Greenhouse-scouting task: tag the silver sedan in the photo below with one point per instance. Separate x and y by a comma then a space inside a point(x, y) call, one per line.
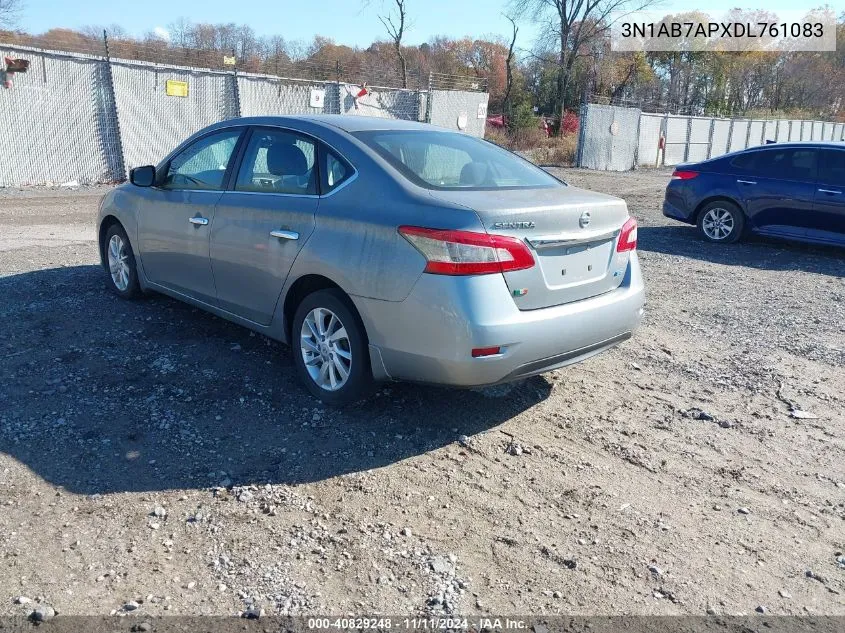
point(379, 250)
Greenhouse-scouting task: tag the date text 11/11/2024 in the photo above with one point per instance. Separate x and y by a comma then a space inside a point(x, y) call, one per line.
point(418, 623)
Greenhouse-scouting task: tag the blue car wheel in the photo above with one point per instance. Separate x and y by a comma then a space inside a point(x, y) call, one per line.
point(721, 221)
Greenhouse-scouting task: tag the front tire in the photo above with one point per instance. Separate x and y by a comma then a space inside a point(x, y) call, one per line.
point(122, 275)
point(330, 348)
point(721, 221)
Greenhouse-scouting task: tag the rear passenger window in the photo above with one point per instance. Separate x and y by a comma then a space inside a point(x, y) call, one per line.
point(832, 167)
point(787, 164)
point(745, 162)
point(335, 172)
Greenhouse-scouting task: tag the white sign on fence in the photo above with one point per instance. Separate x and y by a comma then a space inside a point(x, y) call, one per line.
point(318, 98)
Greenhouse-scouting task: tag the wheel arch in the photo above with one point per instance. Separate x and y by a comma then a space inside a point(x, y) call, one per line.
point(303, 287)
point(106, 223)
point(717, 198)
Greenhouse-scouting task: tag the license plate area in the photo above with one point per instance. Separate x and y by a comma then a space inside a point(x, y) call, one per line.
point(566, 266)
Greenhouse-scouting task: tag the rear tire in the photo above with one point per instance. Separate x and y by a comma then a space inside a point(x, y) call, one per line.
point(330, 348)
point(722, 222)
point(119, 261)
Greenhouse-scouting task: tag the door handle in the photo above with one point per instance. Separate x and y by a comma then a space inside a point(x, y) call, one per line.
point(285, 235)
point(746, 182)
point(199, 221)
point(833, 191)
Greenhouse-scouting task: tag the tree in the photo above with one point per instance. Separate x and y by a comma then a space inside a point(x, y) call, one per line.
point(274, 51)
point(180, 32)
point(574, 25)
point(395, 27)
point(9, 12)
point(509, 61)
point(95, 31)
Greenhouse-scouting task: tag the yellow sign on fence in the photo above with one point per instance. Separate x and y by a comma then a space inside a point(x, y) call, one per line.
point(176, 88)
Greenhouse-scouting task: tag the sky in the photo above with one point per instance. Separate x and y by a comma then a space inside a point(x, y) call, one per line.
point(351, 22)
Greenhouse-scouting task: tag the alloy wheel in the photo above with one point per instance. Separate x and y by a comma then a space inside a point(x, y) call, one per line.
point(325, 348)
point(718, 223)
point(118, 263)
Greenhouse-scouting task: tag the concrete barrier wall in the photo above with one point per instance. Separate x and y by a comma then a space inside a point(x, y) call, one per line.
point(699, 139)
point(721, 134)
point(609, 140)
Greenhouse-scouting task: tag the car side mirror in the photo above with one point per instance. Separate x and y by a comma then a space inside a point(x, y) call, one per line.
point(143, 176)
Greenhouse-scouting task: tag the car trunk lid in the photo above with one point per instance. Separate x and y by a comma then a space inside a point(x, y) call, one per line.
point(572, 234)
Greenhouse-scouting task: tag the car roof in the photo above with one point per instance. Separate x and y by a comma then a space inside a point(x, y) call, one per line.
point(345, 122)
point(797, 144)
point(781, 145)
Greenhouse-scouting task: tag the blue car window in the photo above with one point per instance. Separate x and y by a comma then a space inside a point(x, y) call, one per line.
point(832, 167)
point(745, 162)
point(786, 163)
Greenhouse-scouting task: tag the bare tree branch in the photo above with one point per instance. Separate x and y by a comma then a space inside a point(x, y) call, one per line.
point(395, 27)
point(506, 104)
point(575, 25)
point(9, 12)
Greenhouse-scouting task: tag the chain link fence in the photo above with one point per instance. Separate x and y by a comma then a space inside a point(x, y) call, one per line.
point(607, 137)
point(616, 138)
point(91, 118)
point(151, 122)
point(56, 94)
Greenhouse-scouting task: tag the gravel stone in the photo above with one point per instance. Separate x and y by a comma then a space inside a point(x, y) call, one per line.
point(159, 412)
point(43, 613)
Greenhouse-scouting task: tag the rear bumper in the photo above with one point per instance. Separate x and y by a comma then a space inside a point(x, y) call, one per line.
point(430, 335)
point(676, 203)
point(677, 213)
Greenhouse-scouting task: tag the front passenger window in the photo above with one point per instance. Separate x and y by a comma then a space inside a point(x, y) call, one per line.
point(202, 165)
point(277, 161)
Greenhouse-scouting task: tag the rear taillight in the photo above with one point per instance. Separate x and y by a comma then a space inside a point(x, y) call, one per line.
point(466, 252)
point(684, 174)
point(627, 237)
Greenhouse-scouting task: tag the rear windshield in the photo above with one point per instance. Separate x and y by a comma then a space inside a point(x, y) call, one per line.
point(448, 160)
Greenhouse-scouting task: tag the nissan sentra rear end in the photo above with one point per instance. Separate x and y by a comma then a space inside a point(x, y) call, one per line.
point(547, 276)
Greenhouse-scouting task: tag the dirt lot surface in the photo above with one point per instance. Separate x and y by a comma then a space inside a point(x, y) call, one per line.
point(157, 460)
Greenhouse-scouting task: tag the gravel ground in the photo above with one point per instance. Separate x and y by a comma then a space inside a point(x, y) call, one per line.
point(157, 460)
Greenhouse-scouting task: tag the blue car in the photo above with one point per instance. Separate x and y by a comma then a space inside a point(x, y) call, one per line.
point(786, 190)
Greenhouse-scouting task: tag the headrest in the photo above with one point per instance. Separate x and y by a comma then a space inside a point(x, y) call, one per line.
point(286, 159)
point(473, 174)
